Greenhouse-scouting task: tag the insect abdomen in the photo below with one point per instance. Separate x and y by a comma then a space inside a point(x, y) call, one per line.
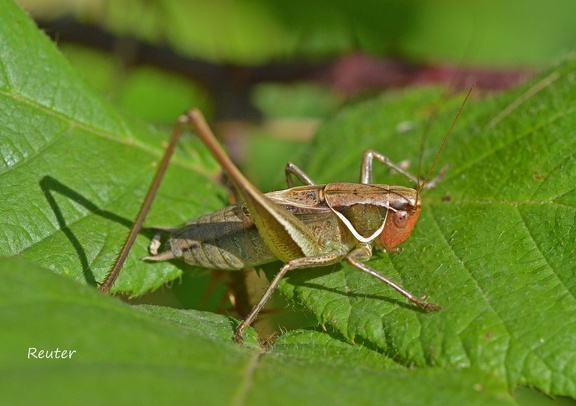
point(226, 239)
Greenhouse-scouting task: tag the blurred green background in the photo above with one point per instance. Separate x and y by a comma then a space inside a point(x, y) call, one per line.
point(240, 59)
point(269, 71)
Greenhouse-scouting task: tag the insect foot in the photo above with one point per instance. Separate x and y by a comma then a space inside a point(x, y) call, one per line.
point(428, 307)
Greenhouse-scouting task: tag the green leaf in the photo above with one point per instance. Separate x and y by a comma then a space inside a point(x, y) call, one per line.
point(74, 171)
point(127, 354)
point(495, 245)
point(497, 256)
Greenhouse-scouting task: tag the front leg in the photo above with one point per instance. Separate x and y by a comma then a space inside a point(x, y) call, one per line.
point(363, 253)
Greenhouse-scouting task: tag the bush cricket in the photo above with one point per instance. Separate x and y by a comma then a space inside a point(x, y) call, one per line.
point(303, 226)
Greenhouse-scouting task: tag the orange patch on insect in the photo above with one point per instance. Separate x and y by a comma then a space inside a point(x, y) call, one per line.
point(398, 227)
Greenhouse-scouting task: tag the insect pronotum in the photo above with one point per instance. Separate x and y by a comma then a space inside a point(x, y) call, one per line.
point(304, 227)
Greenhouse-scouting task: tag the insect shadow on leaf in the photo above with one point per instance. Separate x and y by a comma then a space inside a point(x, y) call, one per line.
point(49, 186)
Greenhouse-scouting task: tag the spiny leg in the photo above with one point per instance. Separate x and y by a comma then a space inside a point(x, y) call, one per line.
point(258, 307)
point(306, 262)
point(292, 170)
point(363, 253)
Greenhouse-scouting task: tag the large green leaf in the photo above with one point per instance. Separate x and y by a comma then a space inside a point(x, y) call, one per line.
point(495, 244)
point(73, 174)
point(142, 355)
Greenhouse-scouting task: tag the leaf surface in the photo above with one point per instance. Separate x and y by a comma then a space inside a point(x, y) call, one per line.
point(497, 255)
point(495, 245)
point(139, 354)
point(74, 171)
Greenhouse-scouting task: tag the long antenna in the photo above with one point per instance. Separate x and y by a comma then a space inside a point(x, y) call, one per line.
point(422, 185)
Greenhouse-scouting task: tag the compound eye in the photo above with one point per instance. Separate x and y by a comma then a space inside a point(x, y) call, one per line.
point(400, 219)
